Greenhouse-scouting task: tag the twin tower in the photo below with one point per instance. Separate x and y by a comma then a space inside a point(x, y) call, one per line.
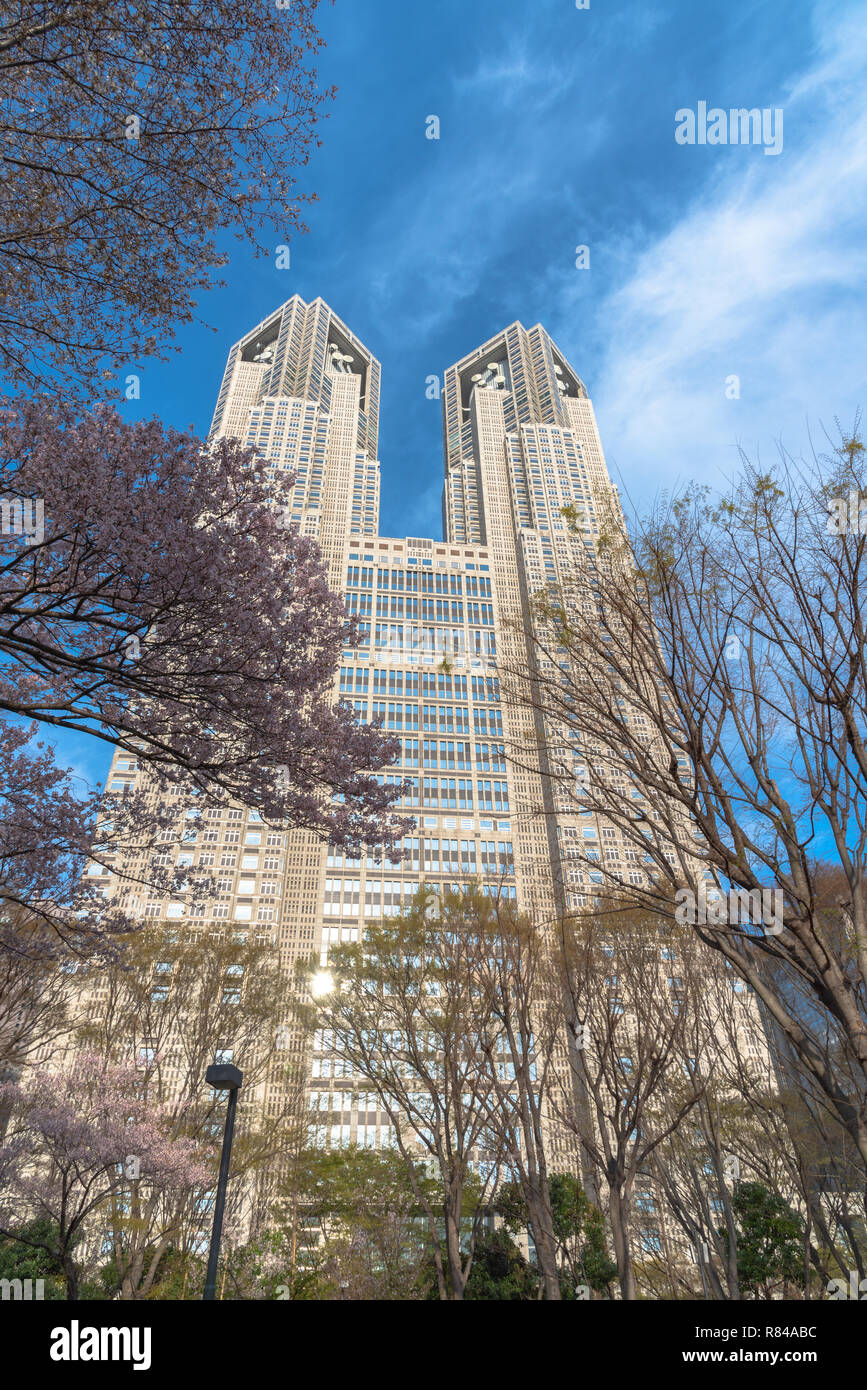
point(519, 434)
point(435, 620)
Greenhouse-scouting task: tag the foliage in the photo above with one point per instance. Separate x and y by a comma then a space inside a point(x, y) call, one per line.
point(26, 1254)
point(363, 1203)
point(769, 1239)
point(579, 1229)
point(499, 1270)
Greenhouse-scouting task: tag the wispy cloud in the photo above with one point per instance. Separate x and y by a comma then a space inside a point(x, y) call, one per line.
point(762, 279)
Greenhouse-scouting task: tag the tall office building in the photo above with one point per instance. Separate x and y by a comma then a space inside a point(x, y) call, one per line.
point(434, 616)
point(438, 620)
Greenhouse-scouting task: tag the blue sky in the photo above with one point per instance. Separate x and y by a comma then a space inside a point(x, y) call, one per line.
point(557, 130)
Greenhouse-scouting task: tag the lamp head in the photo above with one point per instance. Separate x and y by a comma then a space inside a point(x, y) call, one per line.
point(224, 1077)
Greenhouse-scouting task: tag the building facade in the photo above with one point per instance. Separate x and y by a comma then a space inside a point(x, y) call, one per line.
point(435, 618)
point(526, 498)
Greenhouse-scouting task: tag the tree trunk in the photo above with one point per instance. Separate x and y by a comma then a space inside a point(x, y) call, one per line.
point(618, 1212)
point(539, 1211)
point(452, 1213)
point(732, 1276)
point(71, 1275)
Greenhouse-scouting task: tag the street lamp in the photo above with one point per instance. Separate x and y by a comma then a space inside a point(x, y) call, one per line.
point(223, 1077)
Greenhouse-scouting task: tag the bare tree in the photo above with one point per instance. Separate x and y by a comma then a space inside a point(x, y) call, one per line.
point(518, 1020)
point(402, 1015)
point(629, 1012)
point(709, 680)
point(734, 1130)
point(760, 1120)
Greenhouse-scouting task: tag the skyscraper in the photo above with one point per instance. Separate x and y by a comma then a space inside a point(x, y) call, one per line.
point(498, 787)
point(434, 618)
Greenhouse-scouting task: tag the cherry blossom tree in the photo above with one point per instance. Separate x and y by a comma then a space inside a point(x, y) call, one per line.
point(34, 997)
point(161, 607)
point(129, 134)
point(177, 1003)
point(79, 1139)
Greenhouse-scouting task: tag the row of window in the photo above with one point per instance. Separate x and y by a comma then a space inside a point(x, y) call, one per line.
point(432, 685)
point(452, 719)
point(453, 756)
point(419, 581)
point(454, 793)
point(411, 642)
point(441, 856)
point(391, 897)
point(429, 610)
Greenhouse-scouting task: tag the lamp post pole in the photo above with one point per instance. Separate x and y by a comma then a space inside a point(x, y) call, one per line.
point(222, 1078)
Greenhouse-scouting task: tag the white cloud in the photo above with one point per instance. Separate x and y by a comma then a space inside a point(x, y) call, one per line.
point(513, 79)
point(764, 278)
